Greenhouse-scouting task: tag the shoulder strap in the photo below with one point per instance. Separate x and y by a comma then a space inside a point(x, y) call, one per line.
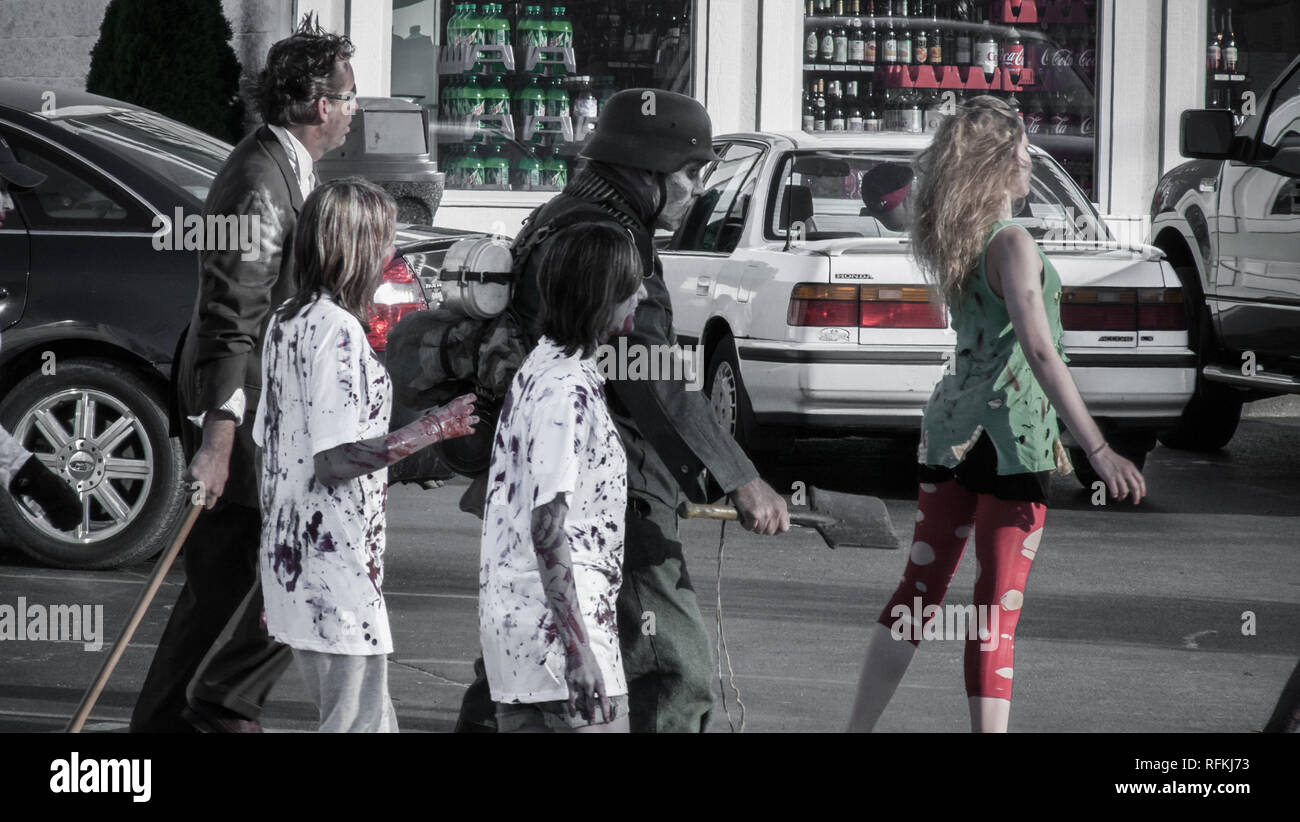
point(585, 213)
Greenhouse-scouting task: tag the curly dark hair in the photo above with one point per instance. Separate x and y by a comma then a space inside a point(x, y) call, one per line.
point(299, 71)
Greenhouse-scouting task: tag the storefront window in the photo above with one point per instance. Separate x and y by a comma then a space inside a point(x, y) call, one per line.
point(514, 89)
point(895, 65)
point(1249, 45)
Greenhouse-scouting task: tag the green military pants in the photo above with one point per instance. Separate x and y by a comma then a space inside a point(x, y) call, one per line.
point(667, 655)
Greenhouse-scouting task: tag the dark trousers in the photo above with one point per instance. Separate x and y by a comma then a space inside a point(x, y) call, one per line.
point(667, 655)
point(215, 648)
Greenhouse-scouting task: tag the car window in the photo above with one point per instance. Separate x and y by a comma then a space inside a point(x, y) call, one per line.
point(715, 221)
point(821, 193)
point(1283, 126)
point(72, 197)
point(186, 156)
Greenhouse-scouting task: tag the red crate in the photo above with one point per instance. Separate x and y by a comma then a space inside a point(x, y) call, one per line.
point(1015, 12)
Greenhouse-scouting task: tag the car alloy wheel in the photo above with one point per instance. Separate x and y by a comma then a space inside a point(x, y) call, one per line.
point(94, 441)
point(723, 397)
point(102, 427)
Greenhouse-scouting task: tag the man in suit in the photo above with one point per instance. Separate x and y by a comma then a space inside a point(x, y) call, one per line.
point(215, 664)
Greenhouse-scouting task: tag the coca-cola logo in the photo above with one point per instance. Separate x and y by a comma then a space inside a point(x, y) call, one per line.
point(1087, 125)
point(1046, 55)
point(1014, 57)
point(1061, 123)
point(1087, 58)
point(1035, 121)
point(1062, 57)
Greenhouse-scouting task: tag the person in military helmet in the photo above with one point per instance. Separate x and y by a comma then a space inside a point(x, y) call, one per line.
point(22, 472)
point(642, 171)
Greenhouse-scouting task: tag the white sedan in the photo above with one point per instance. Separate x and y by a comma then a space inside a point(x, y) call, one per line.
point(810, 316)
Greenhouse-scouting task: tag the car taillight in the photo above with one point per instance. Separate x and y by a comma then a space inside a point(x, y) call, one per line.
point(1122, 309)
point(398, 295)
point(1161, 309)
point(823, 305)
point(868, 306)
point(908, 306)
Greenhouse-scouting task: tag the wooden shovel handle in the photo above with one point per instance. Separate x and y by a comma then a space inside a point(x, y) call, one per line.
point(151, 587)
point(692, 510)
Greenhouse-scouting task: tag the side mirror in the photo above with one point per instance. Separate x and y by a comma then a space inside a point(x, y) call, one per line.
point(1206, 134)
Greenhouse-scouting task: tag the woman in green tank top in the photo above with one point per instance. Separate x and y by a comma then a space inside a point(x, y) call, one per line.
point(989, 435)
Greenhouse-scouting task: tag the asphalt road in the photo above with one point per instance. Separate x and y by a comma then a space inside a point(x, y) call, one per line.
point(1133, 619)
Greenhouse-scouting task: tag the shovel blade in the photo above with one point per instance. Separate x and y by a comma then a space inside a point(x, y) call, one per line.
point(851, 520)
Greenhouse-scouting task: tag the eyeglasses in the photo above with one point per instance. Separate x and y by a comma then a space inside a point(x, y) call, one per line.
point(348, 100)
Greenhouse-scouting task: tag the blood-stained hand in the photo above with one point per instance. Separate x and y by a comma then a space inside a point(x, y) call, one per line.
point(456, 418)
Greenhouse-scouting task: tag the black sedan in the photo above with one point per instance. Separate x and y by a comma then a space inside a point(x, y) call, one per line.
point(93, 303)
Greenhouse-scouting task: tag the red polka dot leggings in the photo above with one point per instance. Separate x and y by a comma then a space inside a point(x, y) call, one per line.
point(1006, 539)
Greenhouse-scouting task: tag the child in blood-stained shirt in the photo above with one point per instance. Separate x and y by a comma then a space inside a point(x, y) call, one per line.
point(323, 423)
point(552, 548)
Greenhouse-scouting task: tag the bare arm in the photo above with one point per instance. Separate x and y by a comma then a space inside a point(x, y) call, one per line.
point(555, 564)
point(1015, 269)
point(355, 459)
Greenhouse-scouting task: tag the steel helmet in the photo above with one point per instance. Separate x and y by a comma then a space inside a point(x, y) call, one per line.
point(652, 129)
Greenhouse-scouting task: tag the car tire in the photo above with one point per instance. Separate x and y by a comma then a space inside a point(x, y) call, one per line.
point(127, 469)
point(1134, 447)
point(1211, 416)
point(727, 396)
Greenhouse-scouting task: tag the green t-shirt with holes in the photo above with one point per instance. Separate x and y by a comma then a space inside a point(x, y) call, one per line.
point(991, 388)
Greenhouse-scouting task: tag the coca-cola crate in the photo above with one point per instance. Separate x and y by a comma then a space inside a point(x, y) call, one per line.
point(1073, 12)
point(1027, 80)
point(972, 79)
point(895, 76)
point(1015, 11)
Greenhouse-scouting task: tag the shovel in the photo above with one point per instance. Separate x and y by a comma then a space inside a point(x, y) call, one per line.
point(160, 570)
point(842, 520)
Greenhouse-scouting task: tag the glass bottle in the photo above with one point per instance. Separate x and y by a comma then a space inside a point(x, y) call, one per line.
point(857, 37)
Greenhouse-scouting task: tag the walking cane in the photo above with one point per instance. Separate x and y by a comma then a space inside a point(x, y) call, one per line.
point(141, 605)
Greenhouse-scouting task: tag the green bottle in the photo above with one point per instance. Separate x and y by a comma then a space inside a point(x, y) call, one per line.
point(532, 28)
point(530, 100)
point(497, 97)
point(555, 172)
point(496, 168)
point(557, 99)
point(473, 167)
point(528, 172)
point(454, 31)
point(473, 99)
point(496, 26)
point(455, 164)
point(474, 30)
point(559, 29)
point(446, 99)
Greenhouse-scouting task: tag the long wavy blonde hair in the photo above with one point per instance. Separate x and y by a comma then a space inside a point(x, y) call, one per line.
point(965, 176)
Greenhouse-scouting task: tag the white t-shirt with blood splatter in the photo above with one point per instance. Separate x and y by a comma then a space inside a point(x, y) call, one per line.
point(322, 552)
point(555, 436)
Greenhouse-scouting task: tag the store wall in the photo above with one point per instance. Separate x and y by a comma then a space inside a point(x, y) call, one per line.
point(1153, 67)
point(48, 42)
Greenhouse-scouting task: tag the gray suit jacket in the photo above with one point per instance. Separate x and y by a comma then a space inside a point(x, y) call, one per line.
point(222, 349)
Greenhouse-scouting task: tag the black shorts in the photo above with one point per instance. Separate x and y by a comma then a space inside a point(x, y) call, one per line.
point(978, 472)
